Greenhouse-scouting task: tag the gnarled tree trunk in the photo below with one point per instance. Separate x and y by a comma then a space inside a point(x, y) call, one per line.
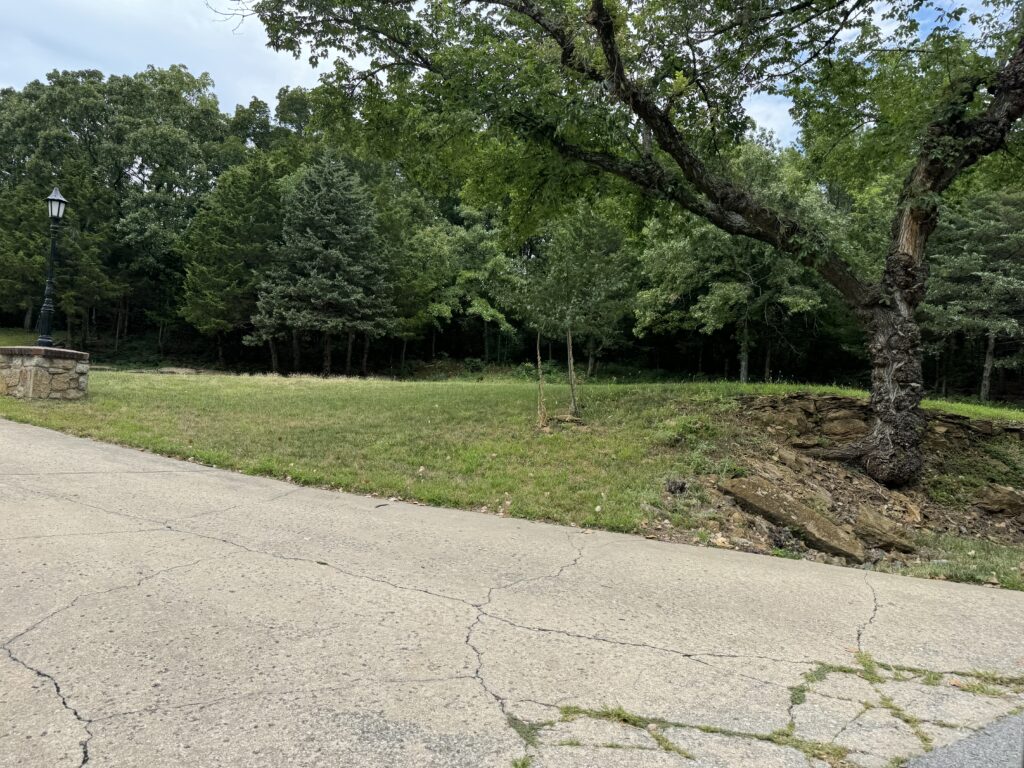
point(893, 450)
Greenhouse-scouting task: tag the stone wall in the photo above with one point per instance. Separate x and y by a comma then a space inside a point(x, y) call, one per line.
point(43, 373)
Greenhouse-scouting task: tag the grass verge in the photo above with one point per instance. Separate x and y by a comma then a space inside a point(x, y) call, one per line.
point(464, 444)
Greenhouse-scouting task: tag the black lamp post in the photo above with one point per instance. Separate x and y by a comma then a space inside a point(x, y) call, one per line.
point(55, 204)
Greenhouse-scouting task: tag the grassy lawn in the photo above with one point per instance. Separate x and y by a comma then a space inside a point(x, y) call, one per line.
point(468, 444)
point(15, 337)
point(462, 444)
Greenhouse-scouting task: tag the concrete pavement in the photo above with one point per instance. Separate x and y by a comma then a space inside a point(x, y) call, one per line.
point(158, 613)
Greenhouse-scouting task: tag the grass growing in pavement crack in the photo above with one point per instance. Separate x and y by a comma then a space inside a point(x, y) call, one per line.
point(869, 668)
point(832, 754)
point(522, 762)
point(527, 731)
point(915, 724)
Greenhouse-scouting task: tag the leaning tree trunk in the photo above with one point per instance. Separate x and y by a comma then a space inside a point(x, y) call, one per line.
point(893, 453)
point(986, 374)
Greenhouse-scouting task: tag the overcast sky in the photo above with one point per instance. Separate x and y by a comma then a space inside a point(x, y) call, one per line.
point(124, 36)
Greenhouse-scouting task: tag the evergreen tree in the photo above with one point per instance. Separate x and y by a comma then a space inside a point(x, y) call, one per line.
point(329, 275)
point(978, 275)
point(228, 247)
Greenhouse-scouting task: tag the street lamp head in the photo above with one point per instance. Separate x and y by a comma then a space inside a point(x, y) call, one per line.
point(56, 204)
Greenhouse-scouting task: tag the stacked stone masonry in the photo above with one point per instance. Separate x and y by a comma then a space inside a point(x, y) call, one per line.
point(43, 373)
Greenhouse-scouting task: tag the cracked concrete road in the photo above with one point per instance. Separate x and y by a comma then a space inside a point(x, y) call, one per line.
point(156, 613)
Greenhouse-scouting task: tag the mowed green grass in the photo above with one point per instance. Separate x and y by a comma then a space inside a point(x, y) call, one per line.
point(468, 444)
point(15, 337)
point(462, 444)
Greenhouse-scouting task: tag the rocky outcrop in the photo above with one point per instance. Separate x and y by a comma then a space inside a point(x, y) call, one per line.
point(878, 531)
point(1000, 500)
point(760, 497)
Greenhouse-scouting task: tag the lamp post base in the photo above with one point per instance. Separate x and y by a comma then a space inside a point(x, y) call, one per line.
point(43, 373)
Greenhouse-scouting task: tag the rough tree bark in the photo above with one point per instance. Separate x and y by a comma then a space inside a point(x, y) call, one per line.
point(986, 373)
point(958, 136)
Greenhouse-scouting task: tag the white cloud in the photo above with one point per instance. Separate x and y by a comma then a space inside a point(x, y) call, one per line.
point(771, 112)
point(124, 36)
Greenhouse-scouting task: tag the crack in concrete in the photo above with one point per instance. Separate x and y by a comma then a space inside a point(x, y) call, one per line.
point(478, 672)
point(871, 619)
point(85, 721)
point(694, 657)
point(133, 585)
point(209, 512)
point(480, 609)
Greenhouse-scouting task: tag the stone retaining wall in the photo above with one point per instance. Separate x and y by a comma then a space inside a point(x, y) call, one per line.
point(43, 373)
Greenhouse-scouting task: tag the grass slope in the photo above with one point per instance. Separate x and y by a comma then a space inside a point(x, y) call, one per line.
point(464, 444)
point(15, 337)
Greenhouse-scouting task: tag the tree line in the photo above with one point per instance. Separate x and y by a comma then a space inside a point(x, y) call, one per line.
point(416, 207)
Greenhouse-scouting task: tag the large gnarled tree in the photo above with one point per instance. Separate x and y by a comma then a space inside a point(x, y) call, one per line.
point(656, 91)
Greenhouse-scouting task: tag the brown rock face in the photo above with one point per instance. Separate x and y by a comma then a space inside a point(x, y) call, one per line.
point(876, 530)
point(845, 428)
point(1000, 500)
point(759, 496)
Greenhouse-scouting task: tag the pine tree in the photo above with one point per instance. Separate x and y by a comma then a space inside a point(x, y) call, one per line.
point(228, 245)
point(977, 277)
point(329, 275)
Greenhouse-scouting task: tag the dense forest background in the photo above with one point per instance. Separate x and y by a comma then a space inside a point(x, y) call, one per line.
point(385, 235)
